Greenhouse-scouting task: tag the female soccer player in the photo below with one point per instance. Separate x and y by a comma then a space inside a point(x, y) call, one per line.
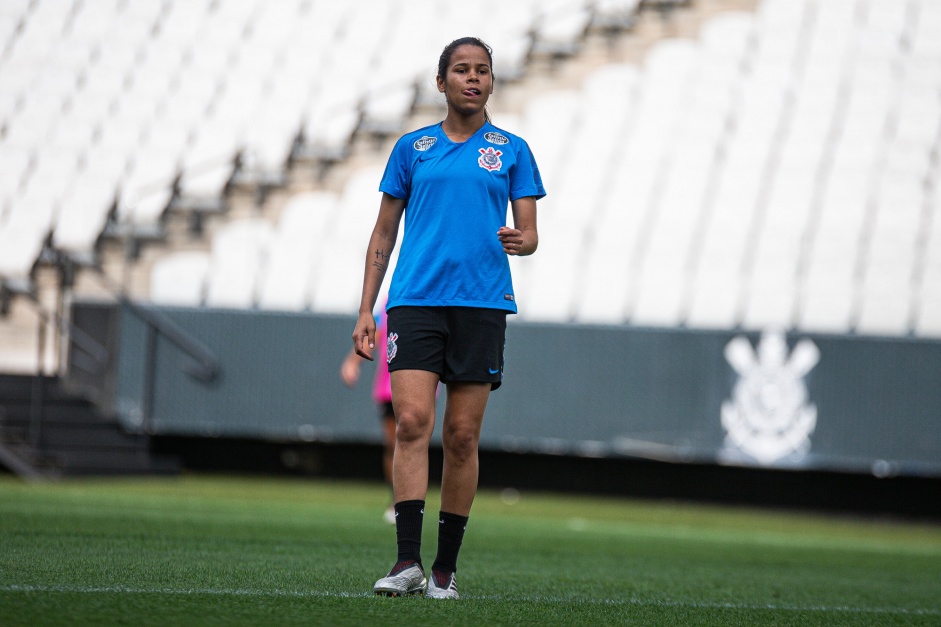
point(448, 301)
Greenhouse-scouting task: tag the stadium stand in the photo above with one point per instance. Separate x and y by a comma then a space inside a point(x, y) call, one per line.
point(161, 100)
point(780, 168)
point(776, 171)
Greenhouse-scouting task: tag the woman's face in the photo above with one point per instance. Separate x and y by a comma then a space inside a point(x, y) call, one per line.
point(469, 81)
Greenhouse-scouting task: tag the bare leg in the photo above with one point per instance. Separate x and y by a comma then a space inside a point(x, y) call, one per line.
point(463, 418)
point(413, 396)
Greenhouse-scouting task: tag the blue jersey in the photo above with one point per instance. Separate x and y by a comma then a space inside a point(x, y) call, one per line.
point(456, 200)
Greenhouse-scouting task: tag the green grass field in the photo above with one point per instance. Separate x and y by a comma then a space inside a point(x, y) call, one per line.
point(213, 550)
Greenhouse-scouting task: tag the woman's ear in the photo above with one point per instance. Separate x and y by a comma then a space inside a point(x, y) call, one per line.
point(440, 82)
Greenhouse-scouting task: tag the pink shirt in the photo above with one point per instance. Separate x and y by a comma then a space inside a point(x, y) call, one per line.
point(381, 384)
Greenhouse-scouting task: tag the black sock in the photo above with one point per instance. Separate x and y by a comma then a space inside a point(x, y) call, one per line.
point(408, 520)
point(450, 535)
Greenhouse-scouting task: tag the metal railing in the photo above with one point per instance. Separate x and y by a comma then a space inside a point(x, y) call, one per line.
point(94, 357)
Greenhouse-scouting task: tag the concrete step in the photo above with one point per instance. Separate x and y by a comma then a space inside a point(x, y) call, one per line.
point(56, 414)
point(19, 390)
point(103, 436)
point(75, 438)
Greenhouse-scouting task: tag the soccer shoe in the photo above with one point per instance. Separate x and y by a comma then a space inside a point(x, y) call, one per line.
point(404, 578)
point(447, 589)
point(389, 515)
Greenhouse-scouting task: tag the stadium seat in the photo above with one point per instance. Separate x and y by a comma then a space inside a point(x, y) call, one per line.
point(928, 313)
point(547, 120)
point(770, 304)
point(20, 245)
point(615, 13)
point(147, 191)
point(8, 26)
point(514, 45)
point(14, 164)
point(885, 309)
point(561, 25)
point(83, 214)
point(239, 254)
point(729, 34)
point(928, 318)
point(275, 128)
point(208, 166)
point(613, 246)
point(604, 289)
point(550, 286)
point(179, 279)
point(384, 112)
point(338, 276)
point(714, 301)
point(296, 250)
point(827, 305)
point(660, 297)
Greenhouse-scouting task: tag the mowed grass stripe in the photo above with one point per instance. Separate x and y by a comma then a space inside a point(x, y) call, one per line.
point(466, 597)
point(246, 550)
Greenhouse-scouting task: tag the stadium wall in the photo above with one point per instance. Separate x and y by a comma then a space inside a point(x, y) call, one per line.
point(854, 404)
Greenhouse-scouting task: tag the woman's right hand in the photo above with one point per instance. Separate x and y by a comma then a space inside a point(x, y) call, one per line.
point(364, 335)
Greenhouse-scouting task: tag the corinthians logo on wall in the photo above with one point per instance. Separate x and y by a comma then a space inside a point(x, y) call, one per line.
point(769, 417)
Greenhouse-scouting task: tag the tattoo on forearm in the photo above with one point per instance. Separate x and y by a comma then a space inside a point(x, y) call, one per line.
point(381, 261)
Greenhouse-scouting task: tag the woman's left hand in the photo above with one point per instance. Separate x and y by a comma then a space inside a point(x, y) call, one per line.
point(511, 240)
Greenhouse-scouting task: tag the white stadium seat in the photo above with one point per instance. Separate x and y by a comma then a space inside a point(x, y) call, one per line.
point(20, 245)
point(239, 254)
point(300, 238)
point(180, 279)
point(83, 214)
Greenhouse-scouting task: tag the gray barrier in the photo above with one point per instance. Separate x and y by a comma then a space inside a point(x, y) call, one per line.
point(858, 404)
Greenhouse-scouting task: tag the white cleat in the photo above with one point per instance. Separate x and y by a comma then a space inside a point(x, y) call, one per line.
point(403, 579)
point(447, 589)
point(389, 515)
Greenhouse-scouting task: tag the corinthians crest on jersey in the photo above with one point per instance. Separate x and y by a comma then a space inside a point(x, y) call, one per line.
point(490, 159)
point(768, 417)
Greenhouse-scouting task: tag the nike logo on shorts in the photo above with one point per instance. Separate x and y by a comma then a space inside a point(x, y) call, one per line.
point(492, 371)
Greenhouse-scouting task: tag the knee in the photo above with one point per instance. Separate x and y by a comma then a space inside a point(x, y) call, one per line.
point(412, 426)
point(460, 445)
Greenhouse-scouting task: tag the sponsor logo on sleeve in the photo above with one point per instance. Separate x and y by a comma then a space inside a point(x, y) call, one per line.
point(496, 138)
point(424, 142)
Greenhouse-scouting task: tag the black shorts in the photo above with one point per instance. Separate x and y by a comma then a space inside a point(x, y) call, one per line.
point(456, 343)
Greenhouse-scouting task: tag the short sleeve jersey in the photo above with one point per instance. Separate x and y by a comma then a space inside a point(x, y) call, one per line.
point(456, 200)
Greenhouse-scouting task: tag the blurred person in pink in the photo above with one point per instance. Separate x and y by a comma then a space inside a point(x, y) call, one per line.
point(382, 396)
